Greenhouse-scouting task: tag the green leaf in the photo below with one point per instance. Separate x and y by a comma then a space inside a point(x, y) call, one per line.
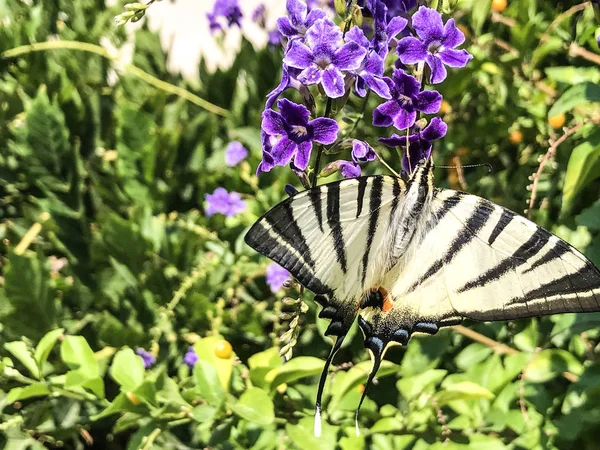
point(590, 217)
point(472, 354)
point(205, 349)
point(387, 425)
point(127, 369)
point(77, 354)
point(20, 350)
point(208, 384)
point(302, 435)
point(204, 413)
point(550, 363)
point(262, 363)
point(575, 96)
point(465, 390)
point(480, 12)
point(23, 393)
point(296, 368)
point(46, 345)
point(411, 387)
point(573, 75)
point(255, 405)
point(582, 168)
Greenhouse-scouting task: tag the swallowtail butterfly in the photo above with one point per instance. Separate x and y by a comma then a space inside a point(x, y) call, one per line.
point(408, 257)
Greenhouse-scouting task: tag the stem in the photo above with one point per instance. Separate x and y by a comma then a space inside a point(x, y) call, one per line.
point(149, 440)
point(320, 149)
point(130, 68)
point(576, 50)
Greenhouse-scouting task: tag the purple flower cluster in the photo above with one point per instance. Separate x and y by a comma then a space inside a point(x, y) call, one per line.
point(223, 202)
point(319, 53)
point(190, 358)
point(235, 153)
point(229, 10)
point(147, 357)
point(276, 276)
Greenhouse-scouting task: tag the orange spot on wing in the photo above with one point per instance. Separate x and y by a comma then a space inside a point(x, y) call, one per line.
point(387, 300)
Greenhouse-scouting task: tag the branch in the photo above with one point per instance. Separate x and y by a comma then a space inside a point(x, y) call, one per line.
point(576, 50)
point(549, 154)
point(130, 68)
point(497, 17)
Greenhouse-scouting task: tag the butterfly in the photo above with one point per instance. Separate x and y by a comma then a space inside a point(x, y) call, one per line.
point(406, 257)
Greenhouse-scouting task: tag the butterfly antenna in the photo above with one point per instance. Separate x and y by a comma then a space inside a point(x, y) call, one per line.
point(376, 355)
point(324, 373)
point(488, 165)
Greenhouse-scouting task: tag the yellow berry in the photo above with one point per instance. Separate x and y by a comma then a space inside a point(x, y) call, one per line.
point(499, 5)
point(557, 121)
point(445, 107)
point(133, 398)
point(361, 388)
point(223, 349)
point(515, 136)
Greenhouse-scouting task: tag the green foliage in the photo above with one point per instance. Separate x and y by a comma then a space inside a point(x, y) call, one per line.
point(106, 247)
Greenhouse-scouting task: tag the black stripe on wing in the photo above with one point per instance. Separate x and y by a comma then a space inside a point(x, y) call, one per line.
point(480, 216)
point(374, 204)
point(333, 220)
point(505, 218)
point(530, 248)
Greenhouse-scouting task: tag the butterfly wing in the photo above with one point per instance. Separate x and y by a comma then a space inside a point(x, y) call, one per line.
point(480, 261)
point(332, 239)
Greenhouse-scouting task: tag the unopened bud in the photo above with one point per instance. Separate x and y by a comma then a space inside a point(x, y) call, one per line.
point(340, 7)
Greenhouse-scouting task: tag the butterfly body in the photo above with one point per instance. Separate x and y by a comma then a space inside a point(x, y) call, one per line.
point(408, 257)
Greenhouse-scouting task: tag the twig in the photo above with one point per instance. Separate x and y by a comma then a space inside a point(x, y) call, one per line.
point(320, 149)
point(31, 234)
point(576, 50)
point(381, 160)
point(549, 154)
point(130, 68)
point(506, 46)
point(562, 16)
point(149, 440)
point(497, 17)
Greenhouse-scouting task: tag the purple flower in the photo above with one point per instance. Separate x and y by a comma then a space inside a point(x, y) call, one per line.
point(288, 80)
point(190, 358)
point(235, 153)
point(258, 15)
point(370, 73)
point(276, 276)
point(401, 110)
point(325, 57)
point(385, 28)
point(300, 19)
point(147, 357)
point(362, 152)
point(436, 45)
point(398, 7)
point(223, 202)
point(419, 143)
point(274, 38)
point(294, 135)
point(349, 169)
point(229, 9)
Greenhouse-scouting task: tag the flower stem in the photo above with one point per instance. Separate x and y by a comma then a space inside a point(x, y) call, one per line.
point(320, 149)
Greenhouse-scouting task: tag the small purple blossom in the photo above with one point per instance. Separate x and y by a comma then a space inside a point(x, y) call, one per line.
point(274, 38)
point(258, 15)
point(235, 153)
point(276, 276)
point(399, 7)
point(362, 152)
point(223, 202)
point(349, 169)
point(299, 20)
point(385, 27)
point(190, 358)
point(147, 357)
point(325, 58)
point(288, 80)
point(419, 143)
point(436, 44)
point(407, 99)
point(228, 9)
point(289, 135)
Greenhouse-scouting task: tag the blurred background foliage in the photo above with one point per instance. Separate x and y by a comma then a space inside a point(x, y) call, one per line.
point(105, 247)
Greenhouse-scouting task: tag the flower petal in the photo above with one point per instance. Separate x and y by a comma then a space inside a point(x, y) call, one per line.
point(311, 75)
point(293, 113)
point(285, 27)
point(384, 114)
point(359, 86)
point(438, 71)
point(394, 141)
point(349, 169)
point(411, 50)
point(414, 154)
point(297, 11)
point(313, 16)
point(453, 37)
point(455, 58)
point(283, 85)
point(377, 85)
point(302, 155)
point(406, 84)
point(428, 101)
point(428, 24)
point(283, 151)
point(272, 122)
point(374, 64)
point(349, 56)
point(395, 26)
point(333, 82)
point(405, 119)
point(361, 151)
point(298, 55)
point(435, 130)
point(324, 31)
point(325, 130)
point(356, 34)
